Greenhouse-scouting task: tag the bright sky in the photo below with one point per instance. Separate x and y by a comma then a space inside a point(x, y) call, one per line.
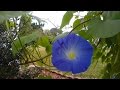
point(54, 16)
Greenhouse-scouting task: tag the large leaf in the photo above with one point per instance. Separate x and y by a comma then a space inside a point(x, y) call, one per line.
point(66, 18)
point(44, 41)
point(105, 29)
point(94, 20)
point(24, 40)
point(4, 15)
point(112, 15)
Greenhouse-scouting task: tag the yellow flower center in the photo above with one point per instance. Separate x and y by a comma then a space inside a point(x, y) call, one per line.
point(71, 55)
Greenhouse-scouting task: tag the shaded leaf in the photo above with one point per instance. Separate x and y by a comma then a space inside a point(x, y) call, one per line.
point(85, 35)
point(112, 15)
point(105, 29)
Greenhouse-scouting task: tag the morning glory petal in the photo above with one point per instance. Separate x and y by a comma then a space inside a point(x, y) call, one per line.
point(72, 53)
point(62, 64)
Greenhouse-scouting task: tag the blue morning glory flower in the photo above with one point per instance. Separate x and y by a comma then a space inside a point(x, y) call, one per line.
point(72, 53)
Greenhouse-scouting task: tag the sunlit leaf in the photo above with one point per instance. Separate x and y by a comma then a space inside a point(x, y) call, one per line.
point(85, 35)
point(66, 18)
point(44, 41)
point(90, 15)
point(76, 23)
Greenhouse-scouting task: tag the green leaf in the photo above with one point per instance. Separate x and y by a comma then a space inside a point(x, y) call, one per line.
point(49, 48)
point(5, 15)
point(92, 22)
point(24, 40)
point(90, 15)
point(112, 15)
point(44, 41)
point(76, 23)
point(9, 24)
point(85, 35)
point(105, 29)
point(12, 24)
point(66, 18)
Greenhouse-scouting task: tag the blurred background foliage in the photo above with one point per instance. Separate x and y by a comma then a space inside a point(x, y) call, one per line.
point(25, 45)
